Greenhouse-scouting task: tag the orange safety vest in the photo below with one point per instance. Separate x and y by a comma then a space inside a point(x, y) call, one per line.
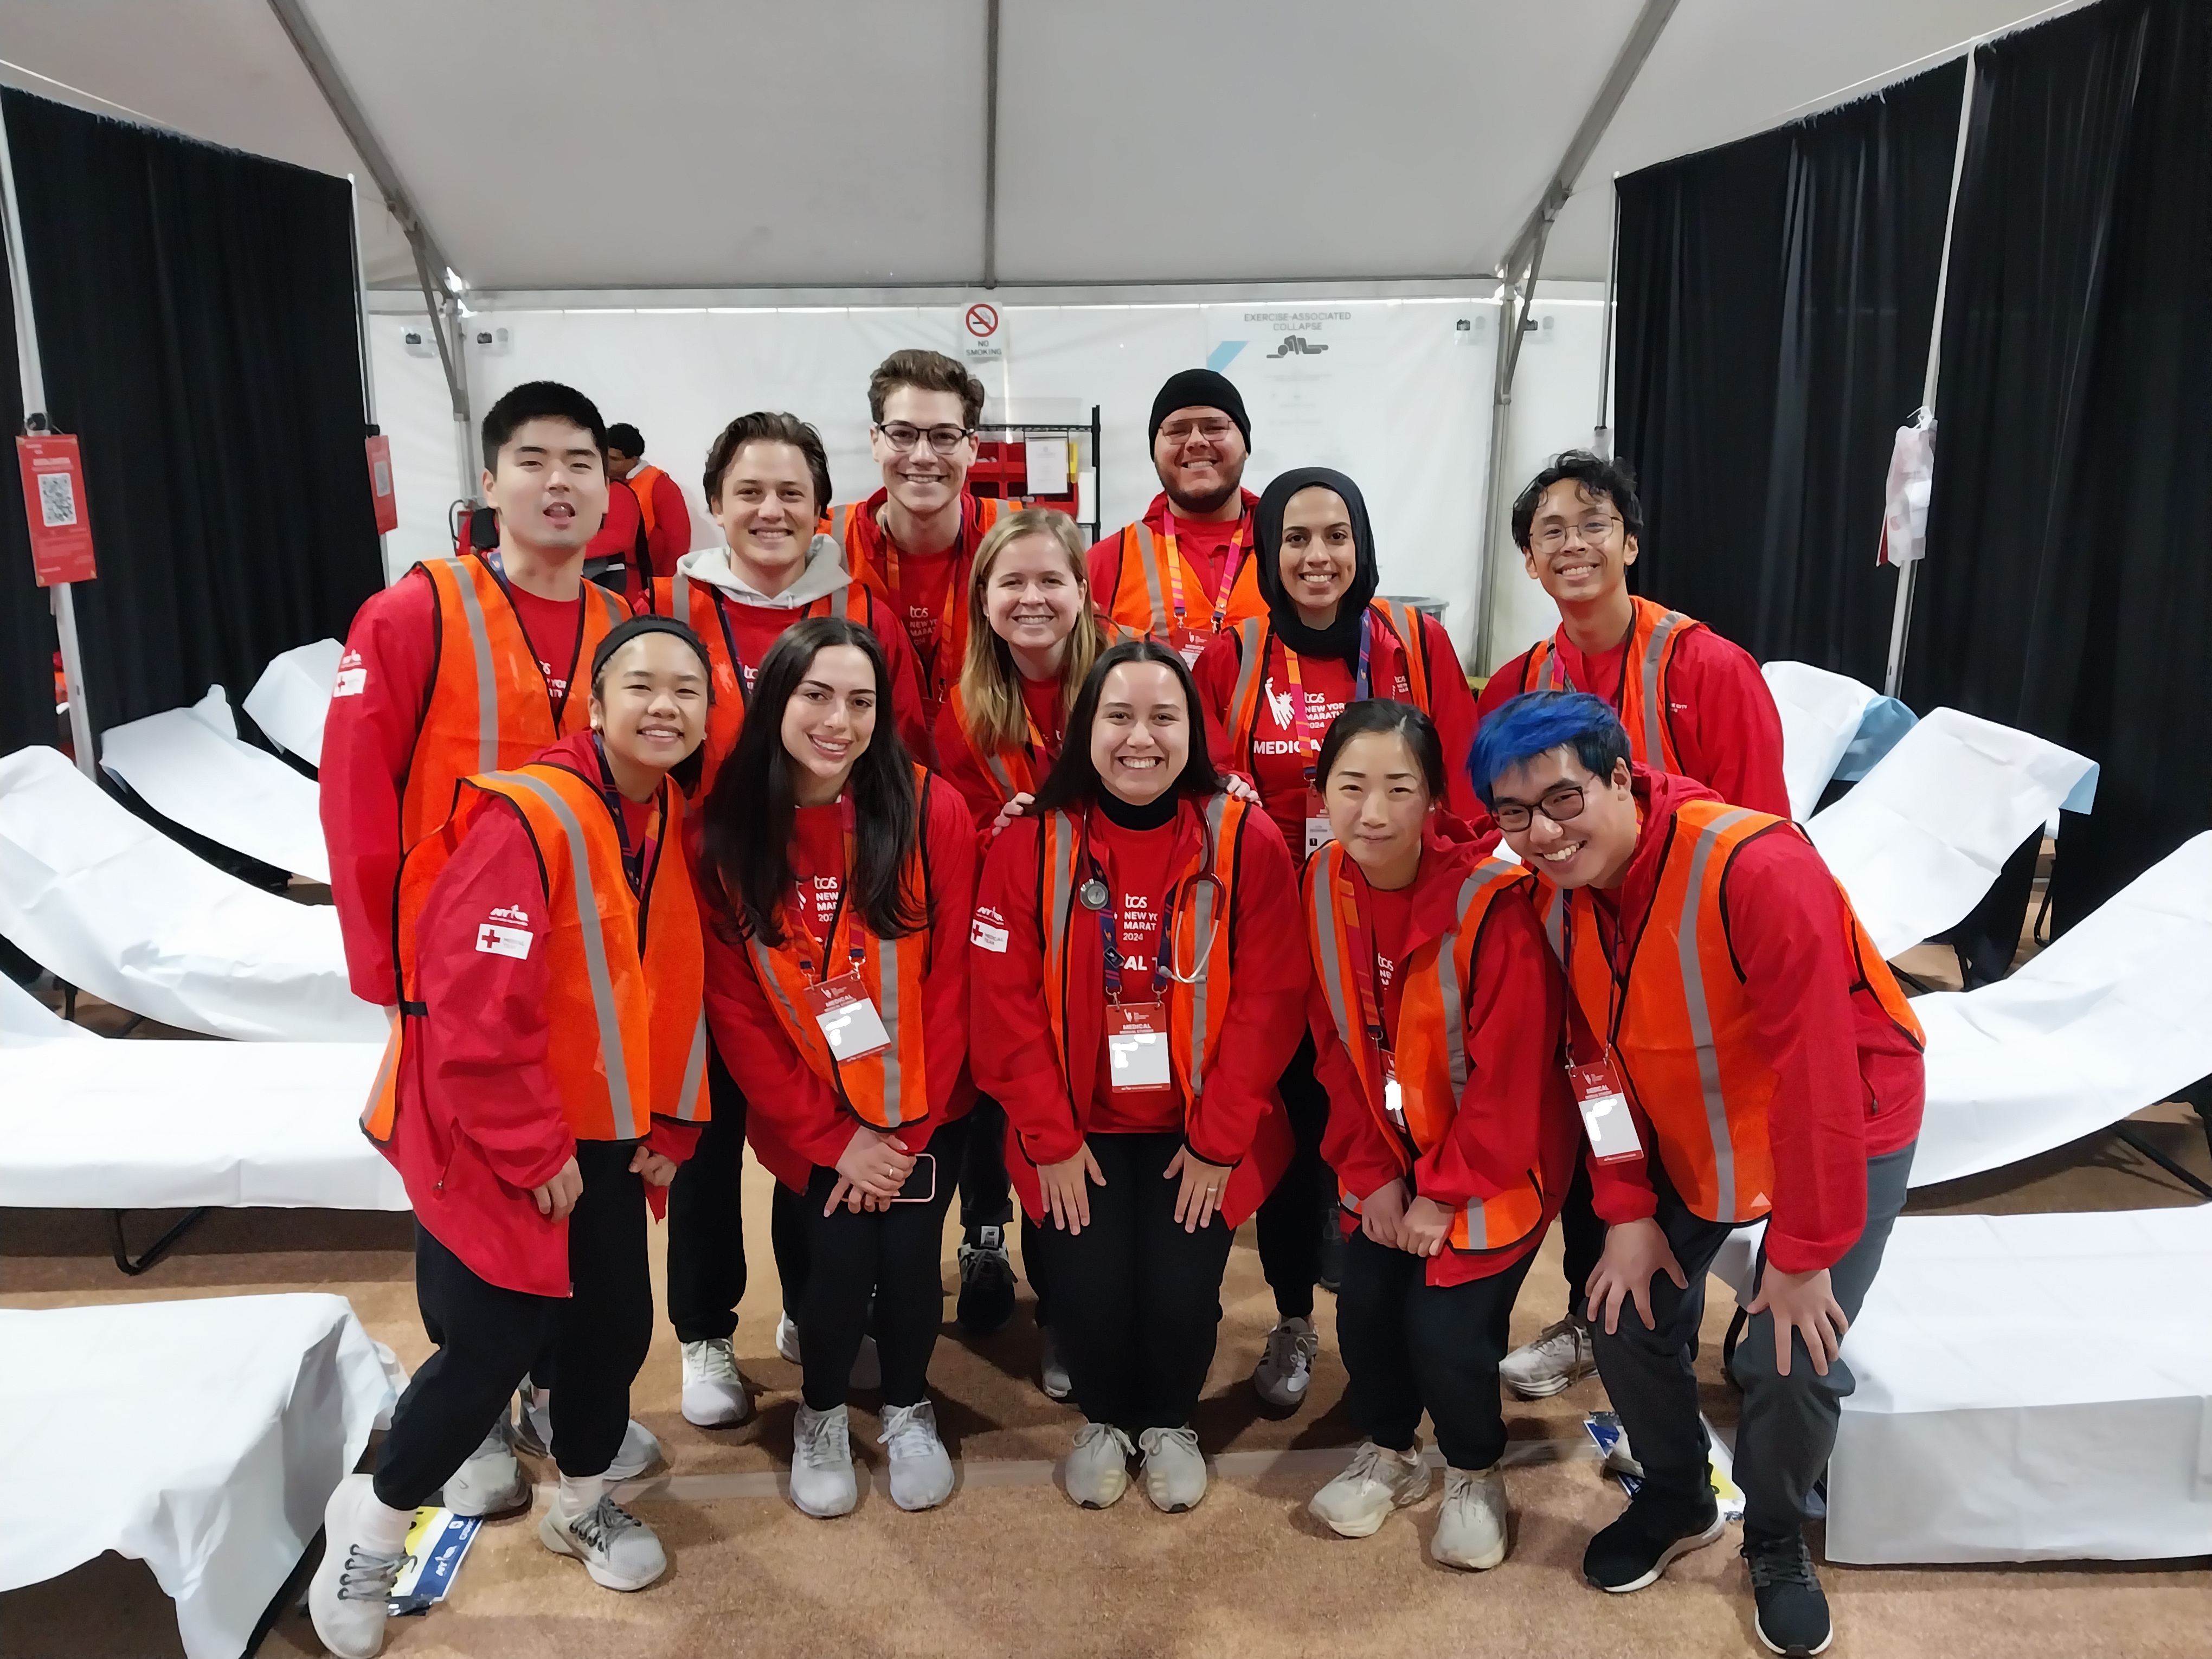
point(891, 1087)
point(855, 531)
point(1146, 607)
point(694, 603)
point(1641, 700)
point(1430, 1045)
point(1679, 1026)
point(641, 480)
point(626, 1022)
point(489, 705)
point(1012, 771)
point(1255, 634)
point(1195, 944)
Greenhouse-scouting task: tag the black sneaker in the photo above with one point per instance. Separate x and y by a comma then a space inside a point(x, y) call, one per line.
point(1655, 1529)
point(1793, 1611)
point(987, 1281)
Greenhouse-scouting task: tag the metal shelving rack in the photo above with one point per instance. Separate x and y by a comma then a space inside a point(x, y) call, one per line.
point(1085, 461)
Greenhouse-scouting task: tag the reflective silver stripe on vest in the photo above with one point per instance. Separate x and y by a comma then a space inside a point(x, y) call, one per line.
point(1252, 634)
point(996, 766)
point(1332, 966)
point(1548, 678)
point(487, 685)
point(888, 956)
point(1063, 879)
point(1655, 713)
point(1480, 876)
point(1201, 917)
point(1555, 925)
point(590, 927)
point(1701, 1022)
point(764, 971)
point(679, 597)
point(694, 1071)
point(611, 603)
point(1148, 560)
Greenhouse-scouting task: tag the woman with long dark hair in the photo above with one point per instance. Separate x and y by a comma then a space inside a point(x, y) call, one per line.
point(841, 876)
point(1273, 685)
point(1136, 951)
point(1436, 1010)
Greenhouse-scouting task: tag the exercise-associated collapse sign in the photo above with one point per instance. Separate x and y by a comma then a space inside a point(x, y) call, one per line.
point(53, 502)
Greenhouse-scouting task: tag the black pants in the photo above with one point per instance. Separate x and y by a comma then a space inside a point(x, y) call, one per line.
point(987, 1197)
point(1409, 1345)
point(1788, 1425)
point(1290, 1216)
point(707, 1226)
point(487, 1338)
point(1137, 1300)
point(1582, 1239)
point(891, 1255)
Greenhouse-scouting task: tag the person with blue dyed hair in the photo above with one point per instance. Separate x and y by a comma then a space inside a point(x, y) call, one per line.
point(1739, 1051)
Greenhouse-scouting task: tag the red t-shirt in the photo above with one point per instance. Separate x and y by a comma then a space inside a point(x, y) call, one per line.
point(1393, 924)
point(554, 626)
point(755, 628)
point(817, 868)
point(1138, 870)
point(1049, 710)
point(1278, 760)
point(922, 598)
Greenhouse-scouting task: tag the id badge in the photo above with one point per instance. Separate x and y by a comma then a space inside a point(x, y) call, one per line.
point(847, 1016)
point(1318, 834)
point(1187, 643)
point(1394, 1094)
point(1137, 1045)
point(1604, 1106)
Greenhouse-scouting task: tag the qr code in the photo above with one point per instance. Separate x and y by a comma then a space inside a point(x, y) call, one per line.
point(57, 500)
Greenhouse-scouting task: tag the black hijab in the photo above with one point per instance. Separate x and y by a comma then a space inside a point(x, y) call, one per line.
point(1341, 639)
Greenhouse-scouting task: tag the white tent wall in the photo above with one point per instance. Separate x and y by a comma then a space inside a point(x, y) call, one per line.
point(1407, 410)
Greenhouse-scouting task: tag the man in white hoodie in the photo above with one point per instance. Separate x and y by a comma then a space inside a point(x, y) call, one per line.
point(767, 482)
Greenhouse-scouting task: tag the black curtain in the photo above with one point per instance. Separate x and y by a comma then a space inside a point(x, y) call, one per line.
point(196, 316)
point(2068, 583)
point(27, 622)
point(1775, 297)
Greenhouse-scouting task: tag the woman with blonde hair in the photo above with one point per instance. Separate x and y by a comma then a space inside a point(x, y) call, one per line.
point(1032, 637)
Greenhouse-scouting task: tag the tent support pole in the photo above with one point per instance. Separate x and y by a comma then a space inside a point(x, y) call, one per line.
point(1526, 255)
point(991, 146)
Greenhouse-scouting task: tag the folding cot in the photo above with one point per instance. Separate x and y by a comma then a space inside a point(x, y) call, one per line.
point(292, 697)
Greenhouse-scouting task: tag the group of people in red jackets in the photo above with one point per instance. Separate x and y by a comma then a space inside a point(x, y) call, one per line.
point(1159, 885)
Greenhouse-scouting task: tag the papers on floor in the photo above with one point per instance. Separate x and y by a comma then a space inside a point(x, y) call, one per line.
point(437, 1544)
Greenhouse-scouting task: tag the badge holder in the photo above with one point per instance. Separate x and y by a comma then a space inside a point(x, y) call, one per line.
point(1186, 643)
point(847, 1016)
point(1318, 834)
point(1604, 1106)
point(1137, 1046)
point(1394, 1094)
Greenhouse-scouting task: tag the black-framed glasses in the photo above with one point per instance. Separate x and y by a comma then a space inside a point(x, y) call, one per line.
point(1593, 530)
point(903, 436)
point(1561, 806)
point(1215, 429)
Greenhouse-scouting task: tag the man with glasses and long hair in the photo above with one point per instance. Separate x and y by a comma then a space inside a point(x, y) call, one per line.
point(1691, 703)
point(1740, 1052)
point(1183, 571)
point(913, 542)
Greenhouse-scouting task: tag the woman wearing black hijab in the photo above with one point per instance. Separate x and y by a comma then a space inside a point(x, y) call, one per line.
point(1272, 685)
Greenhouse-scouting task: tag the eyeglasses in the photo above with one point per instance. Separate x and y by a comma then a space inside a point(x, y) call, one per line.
point(1552, 537)
point(902, 435)
point(1214, 430)
point(1561, 805)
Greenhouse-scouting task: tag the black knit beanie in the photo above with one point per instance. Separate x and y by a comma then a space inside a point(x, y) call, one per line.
point(1200, 388)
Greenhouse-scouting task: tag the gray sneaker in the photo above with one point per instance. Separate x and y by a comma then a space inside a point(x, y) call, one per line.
point(490, 1481)
point(533, 1433)
point(1175, 1468)
point(1555, 1361)
point(921, 1468)
point(1052, 1370)
point(1286, 1369)
point(823, 1484)
point(352, 1582)
point(618, 1550)
point(1098, 1471)
point(1471, 1525)
point(1376, 1481)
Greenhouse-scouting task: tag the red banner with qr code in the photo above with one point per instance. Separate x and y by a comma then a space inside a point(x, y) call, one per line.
point(53, 502)
point(379, 484)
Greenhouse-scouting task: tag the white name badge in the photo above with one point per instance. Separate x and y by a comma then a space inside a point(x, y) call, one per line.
point(848, 1019)
point(1606, 1117)
point(1393, 1093)
point(1318, 834)
point(1137, 1046)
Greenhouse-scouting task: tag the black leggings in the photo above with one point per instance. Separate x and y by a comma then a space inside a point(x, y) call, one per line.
point(1409, 1344)
point(1136, 1299)
point(891, 1255)
point(1583, 1237)
point(707, 1226)
point(488, 1336)
point(1291, 1217)
point(986, 1196)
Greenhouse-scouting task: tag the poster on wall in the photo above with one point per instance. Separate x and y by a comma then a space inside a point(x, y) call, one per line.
point(53, 502)
point(1307, 374)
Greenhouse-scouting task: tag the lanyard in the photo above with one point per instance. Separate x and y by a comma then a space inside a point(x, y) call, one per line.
point(730, 644)
point(944, 621)
point(634, 863)
point(838, 919)
point(497, 566)
point(1237, 542)
point(1367, 969)
point(1308, 745)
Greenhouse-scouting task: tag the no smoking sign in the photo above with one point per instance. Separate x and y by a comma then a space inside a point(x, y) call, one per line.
point(983, 334)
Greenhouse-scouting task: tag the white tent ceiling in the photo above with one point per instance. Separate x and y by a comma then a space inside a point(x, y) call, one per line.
point(565, 144)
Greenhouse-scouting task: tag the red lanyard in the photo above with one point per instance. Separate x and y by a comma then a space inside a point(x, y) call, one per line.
point(1366, 964)
point(801, 904)
point(1237, 542)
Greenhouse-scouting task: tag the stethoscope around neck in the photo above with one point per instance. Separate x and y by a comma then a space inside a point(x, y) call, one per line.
point(1093, 896)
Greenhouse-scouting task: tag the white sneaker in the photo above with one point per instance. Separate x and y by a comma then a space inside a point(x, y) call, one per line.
point(821, 1483)
point(1098, 1471)
point(714, 1395)
point(921, 1471)
point(1557, 1360)
point(867, 1364)
point(1471, 1525)
point(1285, 1370)
point(533, 1432)
point(490, 1481)
point(1175, 1469)
point(1052, 1370)
point(347, 1595)
point(618, 1550)
point(1376, 1481)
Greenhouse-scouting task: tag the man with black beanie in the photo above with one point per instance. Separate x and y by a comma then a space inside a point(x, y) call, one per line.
point(1182, 574)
